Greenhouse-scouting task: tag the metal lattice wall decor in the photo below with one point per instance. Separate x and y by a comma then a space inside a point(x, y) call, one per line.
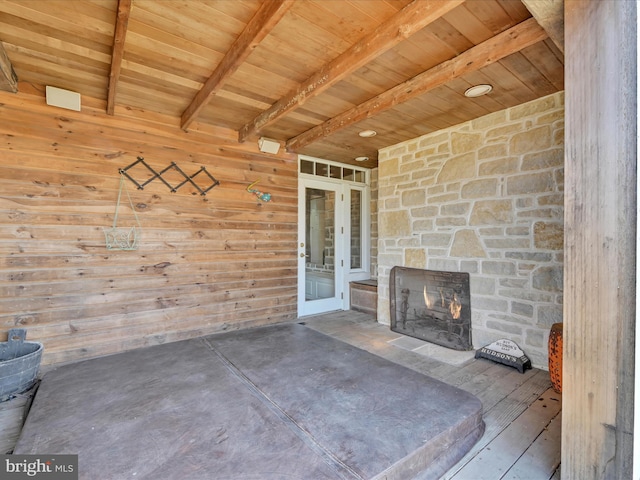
point(173, 166)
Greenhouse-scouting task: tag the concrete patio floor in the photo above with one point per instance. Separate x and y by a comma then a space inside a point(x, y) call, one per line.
point(277, 402)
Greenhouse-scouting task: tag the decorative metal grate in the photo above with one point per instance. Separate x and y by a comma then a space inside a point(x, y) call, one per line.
point(173, 167)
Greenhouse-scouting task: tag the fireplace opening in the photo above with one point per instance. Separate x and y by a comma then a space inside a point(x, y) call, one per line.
point(432, 305)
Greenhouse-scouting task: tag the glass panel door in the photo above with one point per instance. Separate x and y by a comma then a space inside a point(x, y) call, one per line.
point(320, 253)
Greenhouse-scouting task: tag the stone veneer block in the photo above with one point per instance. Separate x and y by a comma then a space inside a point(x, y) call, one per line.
point(540, 106)
point(413, 198)
point(537, 182)
point(458, 168)
point(467, 244)
point(480, 188)
point(394, 224)
point(548, 158)
point(531, 140)
point(548, 236)
point(388, 167)
point(492, 212)
point(499, 167)
point(464, 142)
point(415, 257)
point(548, 279)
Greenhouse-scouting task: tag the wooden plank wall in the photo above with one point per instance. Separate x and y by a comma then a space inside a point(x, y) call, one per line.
point(600, 239)
point(204, 264)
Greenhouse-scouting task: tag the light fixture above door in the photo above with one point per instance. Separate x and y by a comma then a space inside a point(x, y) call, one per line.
point(267, 145)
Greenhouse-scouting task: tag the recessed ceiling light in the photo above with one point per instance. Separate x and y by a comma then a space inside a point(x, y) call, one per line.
point(478, 91)
point(362, 159)
point(368, 133)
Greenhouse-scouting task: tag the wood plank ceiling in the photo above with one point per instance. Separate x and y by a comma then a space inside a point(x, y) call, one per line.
point(311, 74)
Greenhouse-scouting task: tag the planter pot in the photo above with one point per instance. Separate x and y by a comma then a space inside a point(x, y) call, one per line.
point(19, 363)
point(555, 356)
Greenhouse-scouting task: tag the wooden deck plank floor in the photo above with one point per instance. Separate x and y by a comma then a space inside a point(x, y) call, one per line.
point(522, 413)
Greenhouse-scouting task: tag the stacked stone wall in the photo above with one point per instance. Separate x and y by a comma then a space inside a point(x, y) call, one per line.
point(484, 197)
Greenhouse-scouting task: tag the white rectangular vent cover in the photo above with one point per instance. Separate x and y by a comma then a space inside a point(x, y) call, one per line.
point(58, 97)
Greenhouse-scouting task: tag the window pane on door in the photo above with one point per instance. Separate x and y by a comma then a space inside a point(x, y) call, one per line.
point(320, 247)
point(356, 229)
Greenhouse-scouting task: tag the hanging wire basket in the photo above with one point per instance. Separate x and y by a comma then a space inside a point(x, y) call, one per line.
point(122, 238)
point(119, 238)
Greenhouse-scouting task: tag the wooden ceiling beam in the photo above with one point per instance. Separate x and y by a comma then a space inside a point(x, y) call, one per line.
point(264, 20)
point(550, 16)
point(119, 35)
point(408, 21)
point(8, 77)
point(496, 48)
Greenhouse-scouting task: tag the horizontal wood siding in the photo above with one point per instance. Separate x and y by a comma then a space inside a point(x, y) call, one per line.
point(204, 263)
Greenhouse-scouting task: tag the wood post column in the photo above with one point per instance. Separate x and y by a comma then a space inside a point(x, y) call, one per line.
point(600, 239)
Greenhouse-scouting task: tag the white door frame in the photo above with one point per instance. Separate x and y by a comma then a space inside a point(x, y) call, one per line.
point(337, 302)
point(342, 179)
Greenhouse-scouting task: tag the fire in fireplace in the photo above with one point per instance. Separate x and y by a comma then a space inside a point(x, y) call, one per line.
point(432, 305)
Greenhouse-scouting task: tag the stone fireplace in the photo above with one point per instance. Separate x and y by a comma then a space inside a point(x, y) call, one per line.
point(432, 305)
point(485, 198)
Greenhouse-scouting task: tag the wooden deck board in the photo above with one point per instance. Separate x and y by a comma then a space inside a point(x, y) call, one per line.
point(521, 411)
point(508, 446)
point(520, 391)
point(542, 457)
point(500, 416)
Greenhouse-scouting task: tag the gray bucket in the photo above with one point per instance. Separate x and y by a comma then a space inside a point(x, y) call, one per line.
point(19, 363)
